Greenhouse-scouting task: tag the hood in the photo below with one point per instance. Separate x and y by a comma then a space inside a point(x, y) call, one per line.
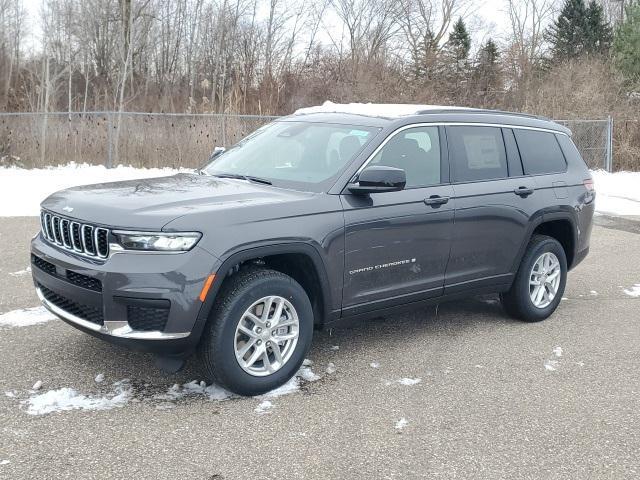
point(152, 203)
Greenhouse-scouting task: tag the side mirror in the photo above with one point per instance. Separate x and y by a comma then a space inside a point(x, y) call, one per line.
point(377, 179)
point(217, 151)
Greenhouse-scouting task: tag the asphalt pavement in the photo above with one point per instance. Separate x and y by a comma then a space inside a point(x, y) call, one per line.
point(483, 396)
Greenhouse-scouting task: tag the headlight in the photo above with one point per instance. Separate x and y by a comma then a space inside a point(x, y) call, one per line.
point(156, 241)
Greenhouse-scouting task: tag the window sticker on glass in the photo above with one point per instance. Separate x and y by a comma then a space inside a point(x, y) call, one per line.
point(482, 151)
point(359, 133)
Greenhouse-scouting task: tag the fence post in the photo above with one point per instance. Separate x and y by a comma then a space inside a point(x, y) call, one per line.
point(609, 164)
point(224, 131)
point(109, 141)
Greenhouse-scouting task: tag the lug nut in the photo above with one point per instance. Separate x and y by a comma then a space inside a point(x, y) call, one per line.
point(268, 344)
point(268, 324)
point(273, 334)
point(259, 342)
point(258, 330)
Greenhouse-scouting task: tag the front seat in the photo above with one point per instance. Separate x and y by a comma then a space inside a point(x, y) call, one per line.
point(406, 153)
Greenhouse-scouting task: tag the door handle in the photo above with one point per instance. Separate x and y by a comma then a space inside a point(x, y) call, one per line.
point(436, 200)
point(523, 191)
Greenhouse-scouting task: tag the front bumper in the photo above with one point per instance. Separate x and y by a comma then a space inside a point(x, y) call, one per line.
point(142, 300)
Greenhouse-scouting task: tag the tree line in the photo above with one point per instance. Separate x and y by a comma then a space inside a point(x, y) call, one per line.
point(564, 59)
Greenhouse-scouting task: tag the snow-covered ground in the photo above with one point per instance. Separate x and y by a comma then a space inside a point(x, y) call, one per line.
point(634, 291)
point(617, 193)
point(122, 392)
point(22, 190)
point(64, 399)
point(26, 317)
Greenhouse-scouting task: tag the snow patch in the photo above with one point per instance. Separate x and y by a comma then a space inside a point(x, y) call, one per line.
point(409, 381)
point(264, 407)
point(37, 386)
point(4, 462)
point(32, 186)
point(212, 392)
point(553, 363)
point(617, 193)
point(26, 317)
point(382, 110)
point(64, 399)
point(10, 394)
point(304, 375)
point(633, 291)
point(400, 424)
point(374, 365)
point(99, 378)
point(21, 272)
point(335, 347)
point(331, 368)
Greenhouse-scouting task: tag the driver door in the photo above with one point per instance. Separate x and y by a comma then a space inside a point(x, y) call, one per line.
point(397, 243)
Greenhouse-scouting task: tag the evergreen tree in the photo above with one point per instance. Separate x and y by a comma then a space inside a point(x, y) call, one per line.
point(579, 29)
point(626, 46)
point(599, 34)
point(487, 73)
point(488, 55)
point(567, 34)
point(459, 44)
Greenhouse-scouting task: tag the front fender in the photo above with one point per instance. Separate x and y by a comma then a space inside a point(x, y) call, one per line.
point(260, 250)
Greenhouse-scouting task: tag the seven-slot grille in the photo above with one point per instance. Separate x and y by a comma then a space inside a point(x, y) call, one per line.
point(82, 238)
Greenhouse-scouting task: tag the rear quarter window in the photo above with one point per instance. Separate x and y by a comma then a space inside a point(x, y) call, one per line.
point(540, 152)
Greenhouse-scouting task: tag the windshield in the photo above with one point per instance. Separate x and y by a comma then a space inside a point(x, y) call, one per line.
point(303, 155)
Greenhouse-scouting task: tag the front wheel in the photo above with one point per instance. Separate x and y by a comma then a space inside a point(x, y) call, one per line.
point(540, 281)
point(259, 332)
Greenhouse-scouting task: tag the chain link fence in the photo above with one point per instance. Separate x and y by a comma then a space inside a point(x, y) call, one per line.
point(594, 139)
point(178, 140)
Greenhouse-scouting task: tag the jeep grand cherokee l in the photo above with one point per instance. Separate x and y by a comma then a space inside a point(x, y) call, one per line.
point(314, 218)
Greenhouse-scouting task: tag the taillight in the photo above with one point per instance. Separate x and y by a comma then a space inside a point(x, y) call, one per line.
point(588, 184)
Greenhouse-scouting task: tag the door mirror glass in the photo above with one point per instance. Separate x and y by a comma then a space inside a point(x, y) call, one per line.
point(377, 179)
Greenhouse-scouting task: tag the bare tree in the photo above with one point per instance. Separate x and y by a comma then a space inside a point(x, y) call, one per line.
point(528, 19)
point(424, 26)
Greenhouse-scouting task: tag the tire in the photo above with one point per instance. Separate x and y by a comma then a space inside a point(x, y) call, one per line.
point(217, 348)
point(518, 301)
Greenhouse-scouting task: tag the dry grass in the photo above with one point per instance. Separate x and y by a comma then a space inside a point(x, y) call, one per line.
point(152, 140)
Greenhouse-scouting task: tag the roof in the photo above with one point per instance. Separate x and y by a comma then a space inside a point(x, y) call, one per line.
point(380, 114)
point(382, 110)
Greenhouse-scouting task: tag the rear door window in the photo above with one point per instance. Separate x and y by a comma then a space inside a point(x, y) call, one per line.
point(540, 152)
point(476, 153)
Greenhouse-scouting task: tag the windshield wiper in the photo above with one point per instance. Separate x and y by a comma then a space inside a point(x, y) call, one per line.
point(248, 178)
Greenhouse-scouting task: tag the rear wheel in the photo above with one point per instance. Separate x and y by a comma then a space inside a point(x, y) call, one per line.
point(259, 332)
point(540, 281)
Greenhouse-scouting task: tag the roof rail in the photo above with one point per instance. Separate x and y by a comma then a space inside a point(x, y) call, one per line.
point(481, 111)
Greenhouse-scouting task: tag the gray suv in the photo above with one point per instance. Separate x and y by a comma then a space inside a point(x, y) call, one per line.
point(314, 218)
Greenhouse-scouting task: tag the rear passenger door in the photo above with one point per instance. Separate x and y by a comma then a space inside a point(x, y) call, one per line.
point(494, 202)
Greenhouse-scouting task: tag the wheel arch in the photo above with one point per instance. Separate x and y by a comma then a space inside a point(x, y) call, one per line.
point(315, 282)
point(561, 225)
